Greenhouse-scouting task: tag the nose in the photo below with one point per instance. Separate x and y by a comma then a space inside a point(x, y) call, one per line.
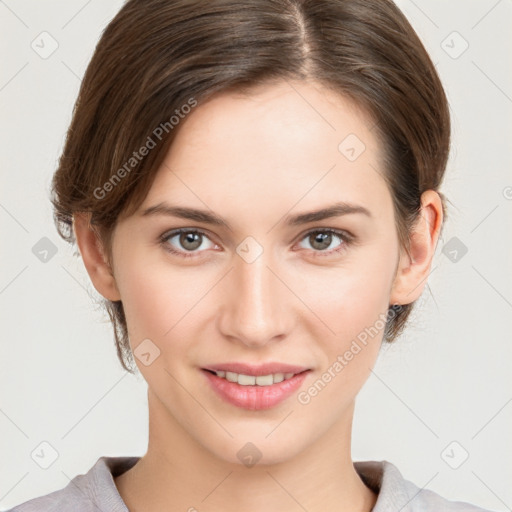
point(255, 308)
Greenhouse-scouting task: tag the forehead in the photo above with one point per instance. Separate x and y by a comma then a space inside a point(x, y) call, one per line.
point(279, 121)
point(275, 146)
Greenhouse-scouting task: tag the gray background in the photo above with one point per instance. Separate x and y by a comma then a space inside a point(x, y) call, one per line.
point(445, 383)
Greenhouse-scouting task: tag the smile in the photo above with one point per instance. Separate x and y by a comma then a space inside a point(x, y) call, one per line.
point(254, 392)
point(254, 380)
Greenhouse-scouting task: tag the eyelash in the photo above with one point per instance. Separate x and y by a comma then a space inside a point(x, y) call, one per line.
point(344, 236)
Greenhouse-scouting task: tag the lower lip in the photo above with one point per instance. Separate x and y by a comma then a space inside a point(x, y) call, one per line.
point(255, 397)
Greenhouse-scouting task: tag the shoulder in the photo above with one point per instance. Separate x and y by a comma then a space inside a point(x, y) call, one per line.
point(88, 492)
point(396, 493)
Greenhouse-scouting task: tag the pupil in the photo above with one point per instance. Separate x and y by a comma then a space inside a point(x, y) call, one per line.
point(190, 238)
point(323, 238)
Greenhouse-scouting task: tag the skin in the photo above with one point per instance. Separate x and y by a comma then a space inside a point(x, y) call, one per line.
point(253, 160)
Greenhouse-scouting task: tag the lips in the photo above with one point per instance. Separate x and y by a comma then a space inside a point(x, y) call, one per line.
point(255, 387)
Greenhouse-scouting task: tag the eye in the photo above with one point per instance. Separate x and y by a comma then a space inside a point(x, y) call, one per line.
point(187, 240)
point(321, 239)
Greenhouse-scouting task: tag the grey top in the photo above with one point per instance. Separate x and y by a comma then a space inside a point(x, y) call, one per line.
point(96, 491)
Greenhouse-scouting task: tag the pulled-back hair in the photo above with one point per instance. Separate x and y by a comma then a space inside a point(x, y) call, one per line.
point(158, 59)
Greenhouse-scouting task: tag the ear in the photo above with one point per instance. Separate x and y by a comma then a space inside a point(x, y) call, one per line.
point(95, 260)
point(413, 268)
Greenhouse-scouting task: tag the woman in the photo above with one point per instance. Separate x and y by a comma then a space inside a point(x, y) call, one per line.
point(254, 190)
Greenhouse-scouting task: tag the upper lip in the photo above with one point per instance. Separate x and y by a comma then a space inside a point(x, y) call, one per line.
point(256, 369)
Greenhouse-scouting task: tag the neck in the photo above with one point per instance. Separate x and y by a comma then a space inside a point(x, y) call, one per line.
point(177, 473)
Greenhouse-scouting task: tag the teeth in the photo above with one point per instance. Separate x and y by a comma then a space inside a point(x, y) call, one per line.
point(279, 377)
point(263, 380)
point(247, 380)
point(231, 376)
point(251, 380)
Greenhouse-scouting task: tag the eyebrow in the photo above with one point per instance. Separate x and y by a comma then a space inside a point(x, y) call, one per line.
point(207, 217)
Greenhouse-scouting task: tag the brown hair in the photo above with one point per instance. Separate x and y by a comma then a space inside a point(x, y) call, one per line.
point(157, 56)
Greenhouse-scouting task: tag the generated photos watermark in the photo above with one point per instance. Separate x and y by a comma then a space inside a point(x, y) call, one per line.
point(151, 142)
point(305, 397)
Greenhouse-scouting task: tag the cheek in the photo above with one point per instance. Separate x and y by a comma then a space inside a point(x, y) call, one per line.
point(353, 301)
point(158, 300)
point(355, 312)
point(147, 298)
point(350, 299)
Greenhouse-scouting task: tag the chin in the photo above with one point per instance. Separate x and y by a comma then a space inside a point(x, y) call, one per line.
point(249, 450)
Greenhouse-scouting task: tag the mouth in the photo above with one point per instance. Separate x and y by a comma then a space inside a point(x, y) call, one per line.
point(253, 380)
point(255, 388)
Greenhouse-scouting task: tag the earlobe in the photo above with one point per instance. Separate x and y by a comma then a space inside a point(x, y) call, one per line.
point(93, 256)
point(414, 265)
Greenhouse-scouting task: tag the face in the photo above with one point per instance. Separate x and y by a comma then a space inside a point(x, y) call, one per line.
point(265, 284)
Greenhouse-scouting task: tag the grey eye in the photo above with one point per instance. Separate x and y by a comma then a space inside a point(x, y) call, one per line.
point(321, 240)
